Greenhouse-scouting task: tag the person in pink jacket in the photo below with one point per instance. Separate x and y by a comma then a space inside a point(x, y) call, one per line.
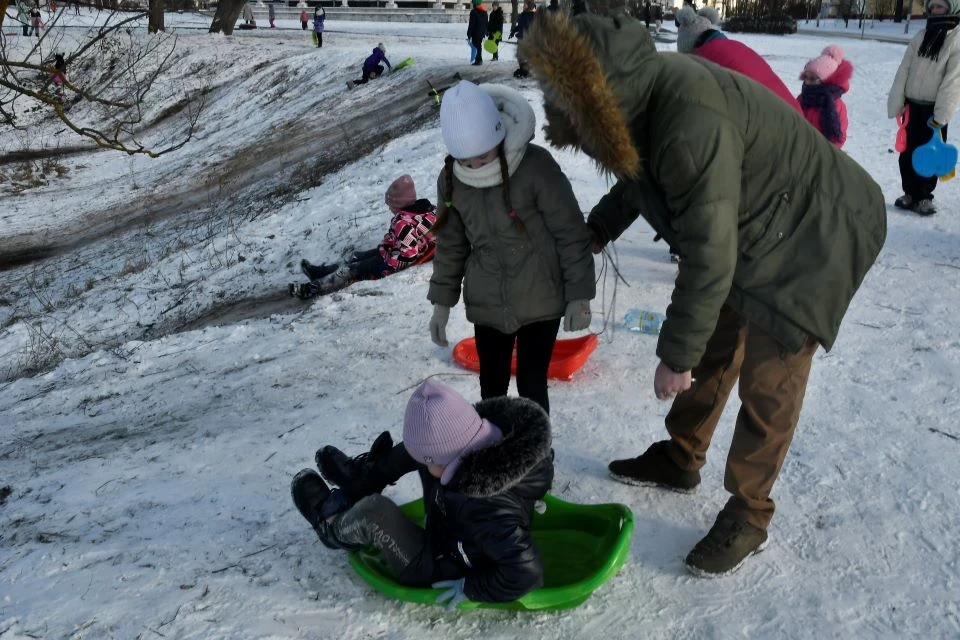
point(825, 79)
point(406, 243)
point(698, 34)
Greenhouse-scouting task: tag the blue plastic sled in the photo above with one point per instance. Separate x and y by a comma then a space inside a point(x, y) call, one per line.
point(936, 158)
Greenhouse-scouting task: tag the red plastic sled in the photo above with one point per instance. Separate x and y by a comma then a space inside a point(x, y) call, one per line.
point(568, 356)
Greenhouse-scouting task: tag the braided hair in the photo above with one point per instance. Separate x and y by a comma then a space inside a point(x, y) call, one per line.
point(448, 191)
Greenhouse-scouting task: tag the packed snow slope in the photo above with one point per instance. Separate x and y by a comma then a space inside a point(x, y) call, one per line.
point(173, 390)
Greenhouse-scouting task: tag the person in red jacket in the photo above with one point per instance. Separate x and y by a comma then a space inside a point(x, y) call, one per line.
point(825, 79)
point(698, 34)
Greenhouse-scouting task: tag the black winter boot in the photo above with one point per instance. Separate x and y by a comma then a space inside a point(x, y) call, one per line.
point(317, 271)
point(317, 504)
point(726, 547)
point(655, 468)
point(357, 477)
point(304, 290)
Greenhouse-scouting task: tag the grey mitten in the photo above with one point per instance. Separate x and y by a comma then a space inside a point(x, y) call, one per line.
point(438, 325)
point(577, 316)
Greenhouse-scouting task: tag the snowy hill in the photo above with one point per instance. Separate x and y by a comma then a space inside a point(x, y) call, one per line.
point(178, 388)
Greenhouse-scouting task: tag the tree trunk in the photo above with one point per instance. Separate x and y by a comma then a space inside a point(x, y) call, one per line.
point(3, 10)
point(898, 11)
point(155, 22)
point(226, 16)
point(514, 14)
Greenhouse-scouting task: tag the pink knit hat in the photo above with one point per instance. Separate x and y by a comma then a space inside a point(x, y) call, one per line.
point(401, 192)
point(824, 65)
point(439, 426)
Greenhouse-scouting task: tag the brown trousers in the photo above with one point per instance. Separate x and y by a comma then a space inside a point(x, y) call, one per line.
point(772, 386)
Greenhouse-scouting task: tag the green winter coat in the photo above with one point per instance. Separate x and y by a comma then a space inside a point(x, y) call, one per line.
point(511, 276)
point(767, 215)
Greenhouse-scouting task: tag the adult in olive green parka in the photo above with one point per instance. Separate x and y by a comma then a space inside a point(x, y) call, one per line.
point(775, 226)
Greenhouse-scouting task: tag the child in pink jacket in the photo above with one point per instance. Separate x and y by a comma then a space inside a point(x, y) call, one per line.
point(825, 79)
point(406, 243)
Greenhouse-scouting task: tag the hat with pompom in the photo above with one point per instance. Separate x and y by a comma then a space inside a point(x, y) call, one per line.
point(826, 64)
point(690, 27)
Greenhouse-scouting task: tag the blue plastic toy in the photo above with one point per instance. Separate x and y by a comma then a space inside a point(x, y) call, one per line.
point(935, 158)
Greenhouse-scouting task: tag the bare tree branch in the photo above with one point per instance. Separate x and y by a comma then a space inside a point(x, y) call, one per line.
point(102, 90)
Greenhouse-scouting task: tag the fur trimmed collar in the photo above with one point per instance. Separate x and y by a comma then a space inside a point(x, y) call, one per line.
point(526, 442)
point(592, 68)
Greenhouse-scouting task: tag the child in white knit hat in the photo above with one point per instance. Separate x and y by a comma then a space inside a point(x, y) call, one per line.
point(511, 236)
point(482, 468)
point(927, 90)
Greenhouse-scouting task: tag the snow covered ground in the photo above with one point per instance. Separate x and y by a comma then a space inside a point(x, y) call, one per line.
point(148, 470)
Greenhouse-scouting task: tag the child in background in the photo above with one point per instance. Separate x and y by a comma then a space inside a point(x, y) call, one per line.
point(495, 28)
point(511, 234)
point(825, 79)
point(482, 468)
point(928, 82)
point(59, 75)
point(477, 31)
point(319, 17)
point(524, 23)
point(35, 20)
point(406, 243)
point(372, 69)
point(303, 19)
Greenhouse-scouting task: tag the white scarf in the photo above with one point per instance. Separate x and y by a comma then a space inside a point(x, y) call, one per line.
point(519, 121)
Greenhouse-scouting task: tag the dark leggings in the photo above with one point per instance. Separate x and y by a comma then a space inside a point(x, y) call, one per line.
point(534, 348)
point(366, 74)
point(376, 521)
point(918, 134)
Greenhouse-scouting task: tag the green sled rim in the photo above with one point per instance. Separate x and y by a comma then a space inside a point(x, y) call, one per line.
point(581, 545)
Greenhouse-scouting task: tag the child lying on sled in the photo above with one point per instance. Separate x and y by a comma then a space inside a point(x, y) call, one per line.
point(407, 242)
point(482, 468)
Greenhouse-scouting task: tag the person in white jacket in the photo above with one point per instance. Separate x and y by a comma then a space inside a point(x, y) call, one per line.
point(927, 86)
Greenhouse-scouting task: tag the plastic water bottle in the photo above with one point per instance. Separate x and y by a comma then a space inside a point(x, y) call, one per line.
point(644, 321)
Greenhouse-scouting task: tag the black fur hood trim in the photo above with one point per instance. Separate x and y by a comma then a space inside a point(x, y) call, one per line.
point(526, 442)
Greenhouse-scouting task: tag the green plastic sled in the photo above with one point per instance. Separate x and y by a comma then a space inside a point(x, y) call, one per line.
point(582, 546)
point(403, 64)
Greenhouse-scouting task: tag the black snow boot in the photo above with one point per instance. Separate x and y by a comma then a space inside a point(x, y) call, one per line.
point(655, 468)
point(304, 290)
point(726, 547)
point(317, 504)
point(317, 271)
point(357, 477)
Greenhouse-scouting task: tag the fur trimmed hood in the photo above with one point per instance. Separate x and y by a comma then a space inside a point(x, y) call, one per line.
point(526, 442)
point(594, 69)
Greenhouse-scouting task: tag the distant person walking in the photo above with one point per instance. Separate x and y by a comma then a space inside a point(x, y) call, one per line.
point(319, 17)
point(304, 18)
point(495, 28)
point(477, 31)
point(35, 20)
point(524, 22)
point(271, 15)
point(23, 18)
